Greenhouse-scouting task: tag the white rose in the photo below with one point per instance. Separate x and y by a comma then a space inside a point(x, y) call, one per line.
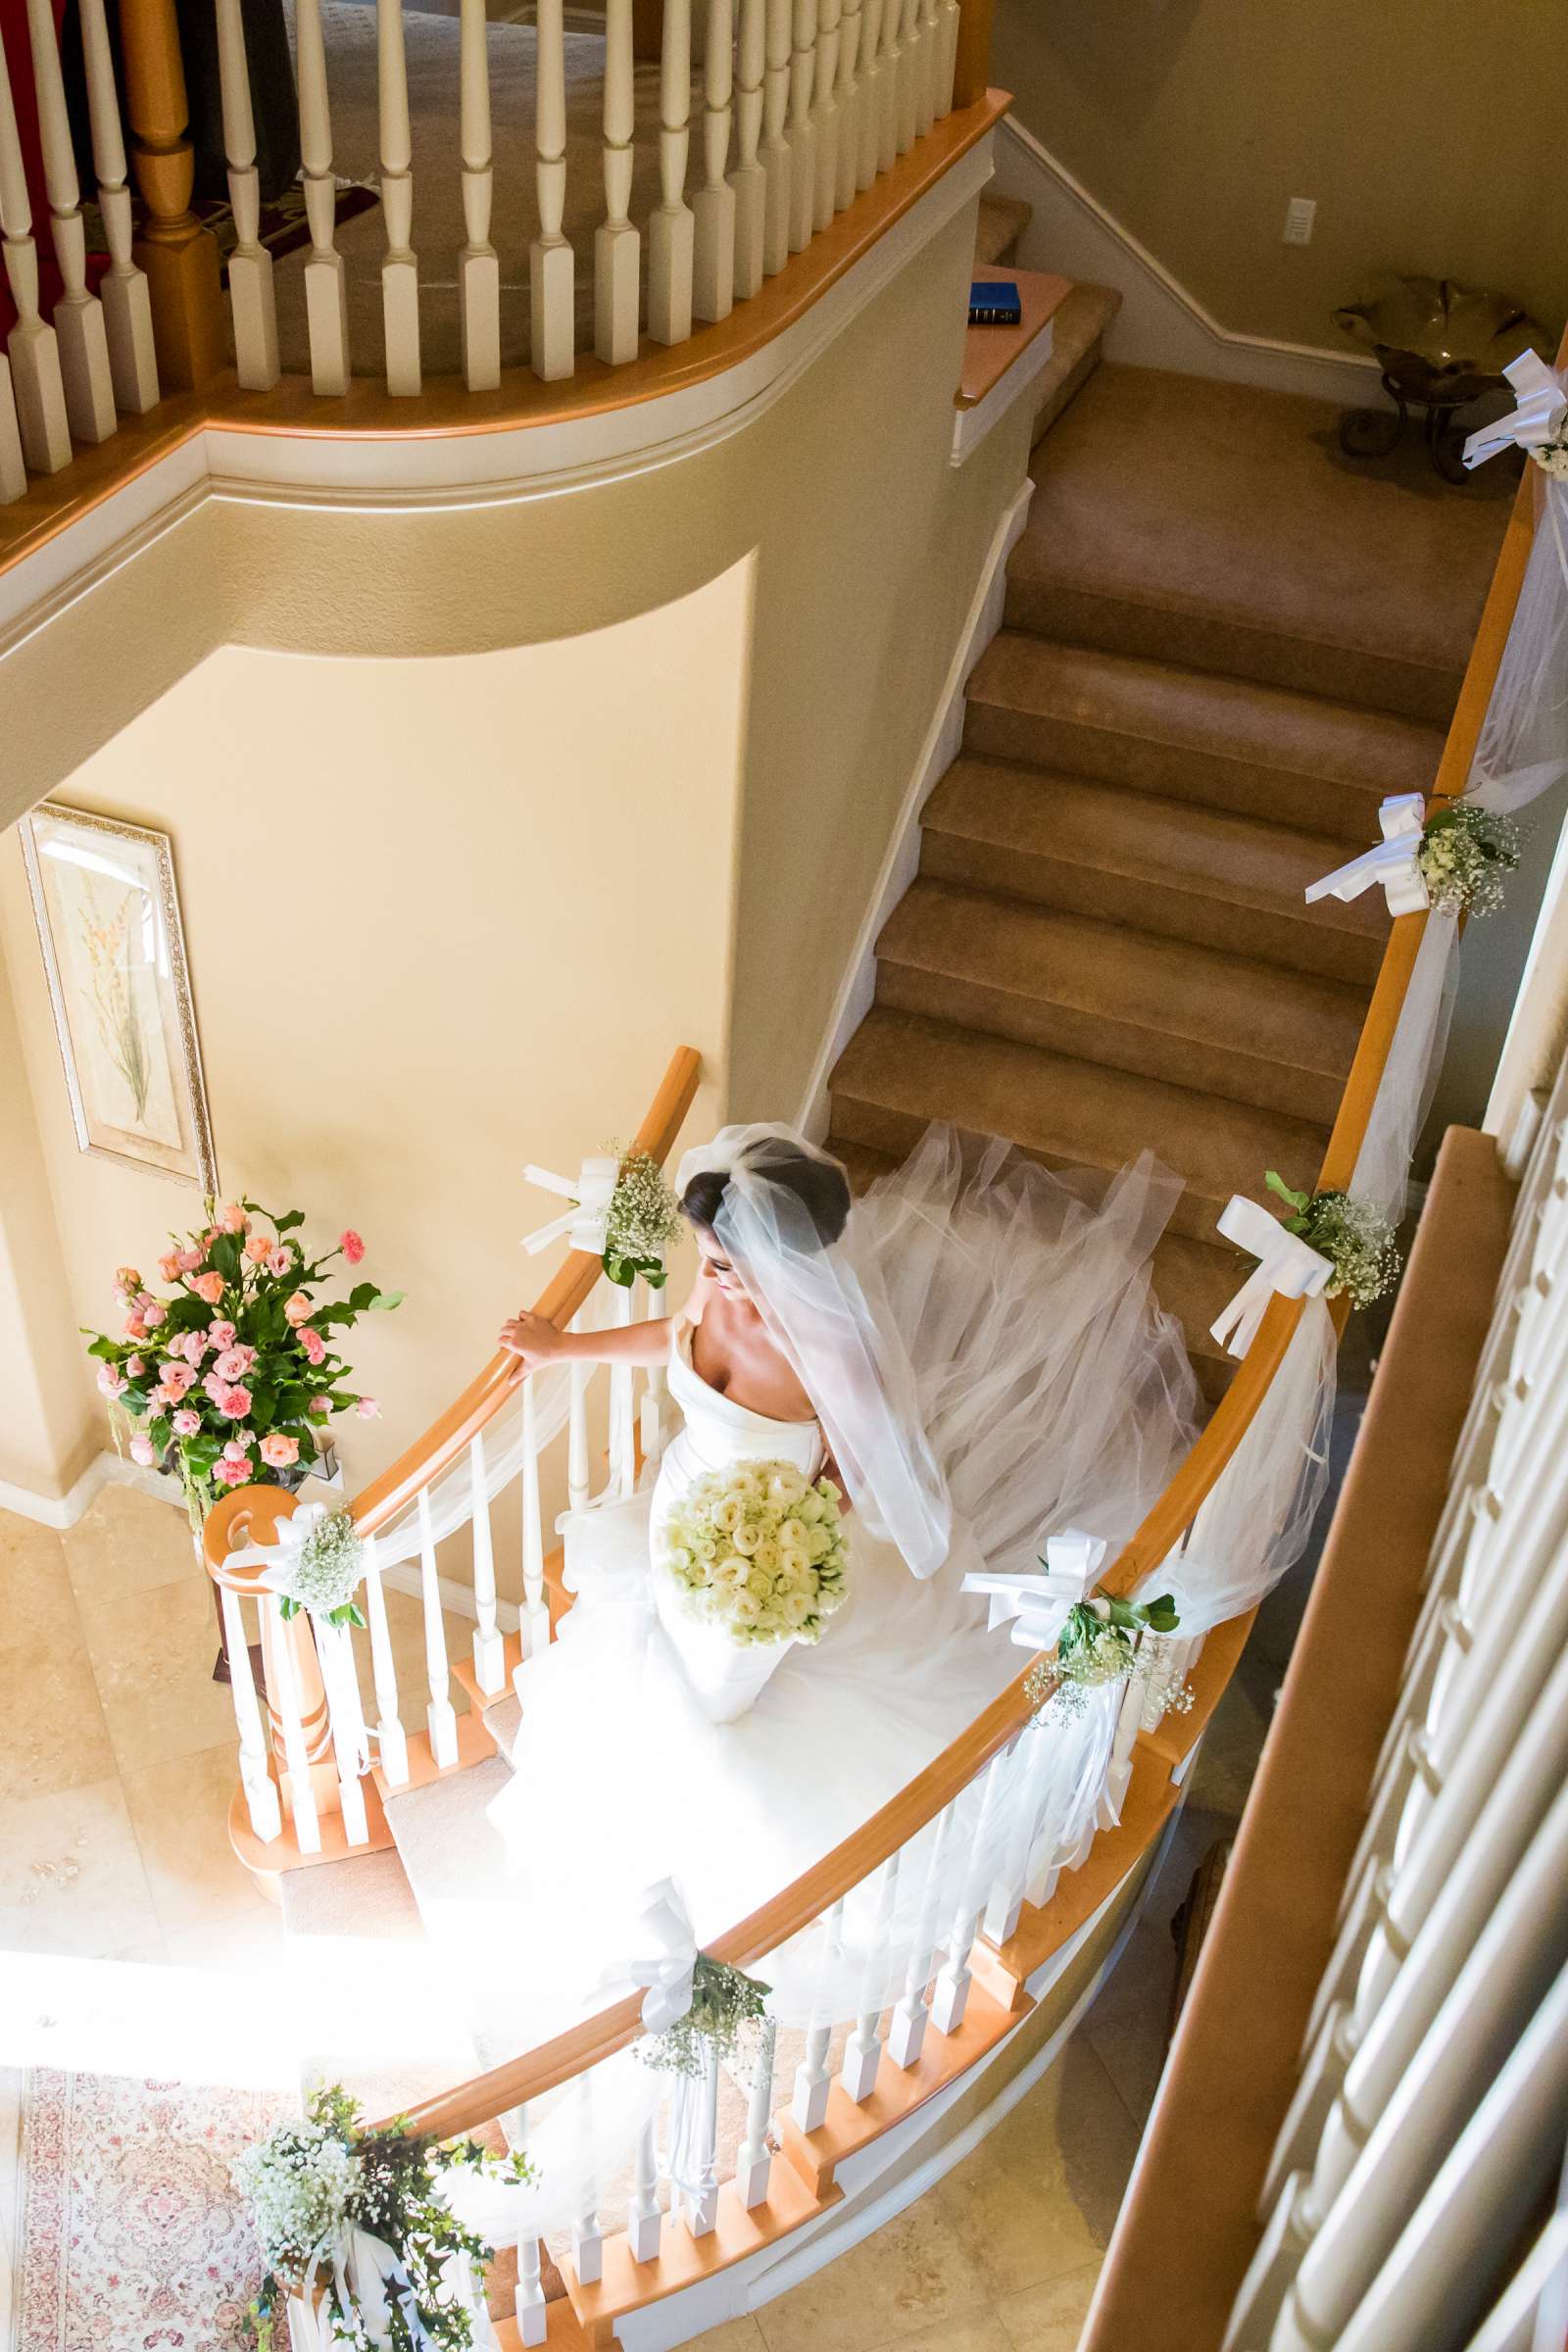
point(746, 1538)
point(705, 1549)
point(795, 1608)
point(786, 1486)
point(726, 1515)
point(747, 1485)
point(731, 1570)
point(743, 1609)
point(817, 1544)
point(759, 1585)
point(811, 1508)
point(768, 1555)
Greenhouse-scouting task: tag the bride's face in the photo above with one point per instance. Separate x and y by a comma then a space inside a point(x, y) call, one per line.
point(717, 1265)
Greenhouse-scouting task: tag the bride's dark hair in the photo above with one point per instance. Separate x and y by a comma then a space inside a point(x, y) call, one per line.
point(819, 1185)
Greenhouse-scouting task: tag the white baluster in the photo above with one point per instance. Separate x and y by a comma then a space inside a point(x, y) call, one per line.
point(528, 2295)
point(1038, 1829)
point(286, 1697)
point(123, 289)
point(251, 297)
point(261, 1790)
point(39, 393)
point(953, 1981)
point(812, 2081)
point(908, 92)
point(700, 2196)
point(887, 129)
point(928, 69)
point(848, 94)
point(577, 1437)
point(1119, 1770)
point(535, 1624)
point(825, 109)
point(754, 2163)
point(714, 207)
point(400, 271)
point(863, 2052)
point(391, 1745)
point(643, 2217)
point(906, 2033)
point(651, 1419)
point(79, 319)
point(776, 157)
point(587, 2240)
point(947, 21)
point(671, 231)
point(326, 302)
point(622, 1419)
point(873, 86)
point(439, 1716)
point(334, 1647)
point(750, 178)
point(489, 1664)
point(479, 265)
point(802, 130)
point(552, 264)
point(618, 245)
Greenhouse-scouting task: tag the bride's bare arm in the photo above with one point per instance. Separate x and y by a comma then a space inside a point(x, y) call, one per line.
point(535, 1341)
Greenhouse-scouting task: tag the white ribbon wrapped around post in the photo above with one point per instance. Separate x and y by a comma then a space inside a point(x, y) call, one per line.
point(1540, 415)
point(1036, 1604)
point(590, 1193)
point(1395, 862)
point(1286, 1265)
point(667, 1966)
point(276, 1567)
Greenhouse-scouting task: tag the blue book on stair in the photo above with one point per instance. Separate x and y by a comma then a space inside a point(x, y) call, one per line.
point(994, 302)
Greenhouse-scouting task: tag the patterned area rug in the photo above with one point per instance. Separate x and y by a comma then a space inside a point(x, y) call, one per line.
point(132, 2237)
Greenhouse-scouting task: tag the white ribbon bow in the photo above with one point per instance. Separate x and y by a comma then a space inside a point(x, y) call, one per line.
point(1394, 862)
point(666, 1967)
point(277, 1563)
point(1286, 1264)
point(276, 1567)
point(589, 1194)
point(1037, 1603)
point(1540, 416)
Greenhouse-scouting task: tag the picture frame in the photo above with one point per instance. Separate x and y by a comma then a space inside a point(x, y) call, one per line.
point(113, 951)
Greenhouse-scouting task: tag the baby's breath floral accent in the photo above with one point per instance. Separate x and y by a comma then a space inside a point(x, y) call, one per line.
point(325, 1571)
point(641, 1222)
point(1355, 1238)
point(1553, 458)
point(1465, 853)
point(723, 2000)
point(314, 2177)
point(1096, 1647)
point(759, 1552)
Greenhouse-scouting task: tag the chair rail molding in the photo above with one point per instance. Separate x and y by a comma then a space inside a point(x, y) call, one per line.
point(1161, 324)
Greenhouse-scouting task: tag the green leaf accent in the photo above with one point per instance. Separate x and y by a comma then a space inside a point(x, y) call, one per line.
point(225, 1254)
point(1299, 1202)
point(287, 1224)
point(385, 1300)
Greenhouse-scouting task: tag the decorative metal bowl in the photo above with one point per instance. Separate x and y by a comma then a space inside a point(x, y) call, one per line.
point(1439, 345)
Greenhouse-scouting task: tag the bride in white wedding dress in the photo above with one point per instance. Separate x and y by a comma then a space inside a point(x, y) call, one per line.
point(972, 1351)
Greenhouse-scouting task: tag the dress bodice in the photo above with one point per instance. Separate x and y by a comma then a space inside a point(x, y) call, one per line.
point(717, 1431)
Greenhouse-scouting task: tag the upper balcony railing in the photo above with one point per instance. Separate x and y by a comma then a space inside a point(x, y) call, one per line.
point(818, 123)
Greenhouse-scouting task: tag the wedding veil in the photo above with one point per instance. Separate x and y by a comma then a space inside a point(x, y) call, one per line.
point(825, 1310)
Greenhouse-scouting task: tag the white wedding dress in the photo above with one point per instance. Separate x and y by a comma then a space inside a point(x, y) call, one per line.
point(1053, 1393)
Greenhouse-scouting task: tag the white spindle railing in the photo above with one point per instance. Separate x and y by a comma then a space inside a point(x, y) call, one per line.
point(392, 1747)
point(644, 2219)
point(252, 297)
point(812, 2081)
point(825, 109)
point(754, 2162)
point(479, 263)
point(846, 173)
point(400, 269)
point(672, 237)
point(326, 301)
point(261, 1790)
point(528, 2295)
point(618, 245)
point(802, 128)
point(552, 264)
point(38, 391)
point(440, 1718)
point(123, 289)
point(78, 318)
point(887, 129)
point(714, 206)
point(777, 161)
point(284, 1694)
point(863, 2052)
point(750, 174)
point(489, 1664)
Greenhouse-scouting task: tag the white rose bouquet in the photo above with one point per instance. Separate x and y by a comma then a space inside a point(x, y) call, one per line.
point(760, 1552)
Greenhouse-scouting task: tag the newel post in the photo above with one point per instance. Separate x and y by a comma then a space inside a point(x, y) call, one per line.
point(178, 255)
point(971, 73)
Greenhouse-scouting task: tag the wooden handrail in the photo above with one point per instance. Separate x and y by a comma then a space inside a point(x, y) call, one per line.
point(447, 1438)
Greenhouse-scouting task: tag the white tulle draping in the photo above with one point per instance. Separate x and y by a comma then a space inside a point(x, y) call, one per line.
point(1410, 1077)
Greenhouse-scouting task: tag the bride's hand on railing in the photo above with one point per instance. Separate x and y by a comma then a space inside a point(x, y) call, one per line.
point(535, 1341)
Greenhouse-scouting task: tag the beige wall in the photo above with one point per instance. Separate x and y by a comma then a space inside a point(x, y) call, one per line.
point(1429, 131)
point(558, 783)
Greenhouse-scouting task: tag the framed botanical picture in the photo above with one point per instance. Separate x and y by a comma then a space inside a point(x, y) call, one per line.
point(115, 953)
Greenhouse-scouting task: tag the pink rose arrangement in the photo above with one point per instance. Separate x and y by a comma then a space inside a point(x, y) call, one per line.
point(231, 1378)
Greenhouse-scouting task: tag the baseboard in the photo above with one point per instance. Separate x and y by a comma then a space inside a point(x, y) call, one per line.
point(61, 1511)
point(1161, 323)
point(937, 754)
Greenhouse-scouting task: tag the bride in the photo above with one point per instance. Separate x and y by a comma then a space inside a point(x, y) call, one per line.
point(972, 1352)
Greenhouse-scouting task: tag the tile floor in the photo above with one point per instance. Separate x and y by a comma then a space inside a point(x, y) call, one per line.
point(114, 1788)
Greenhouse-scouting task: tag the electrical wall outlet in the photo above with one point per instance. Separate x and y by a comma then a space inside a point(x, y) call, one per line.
point(1300, 214)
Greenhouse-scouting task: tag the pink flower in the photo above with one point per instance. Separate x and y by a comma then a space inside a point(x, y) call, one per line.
point(177, 1378)
point(168, 1266)
point(350, 1246)
point(235, 1450)
point(135, 1328)
point(279, 1451)
point(127, 1281)
point(234, 1363)
point(321, 1406)
point(297, 1307)
point(190, 1260)
point(314, 1345)
point(208, 1287)
point(231, 1470)
point(135, 1367)
point(220, 1335)
point(214, 1386)
point(233, 1218)
point(109, 1381)
point(141, 1450)
point(154, 1313)
point(368, 1409)
point(234, 1403)
point(280, 1263)
point(164, 1398)
point(191, 1346)
point(258, 1249)
point(185, 1423)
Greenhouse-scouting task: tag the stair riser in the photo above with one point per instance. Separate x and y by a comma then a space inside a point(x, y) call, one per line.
point(1117, 1045)
point(1224, 649)
point(1294, 944)
point(1344, 811)
point(899, 1131)
point(1062, 395)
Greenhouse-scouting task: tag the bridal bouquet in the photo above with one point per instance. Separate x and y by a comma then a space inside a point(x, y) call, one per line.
point(230, 1378)
point(758, 1552)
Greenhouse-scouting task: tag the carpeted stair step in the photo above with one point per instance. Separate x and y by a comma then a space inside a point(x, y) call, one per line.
point(1221, 743)
point(1135, 1000)
point(1230, 883)
point(1078, 331)
point(901, 1071)
point(1002, 222)
point(1214, 525)
point(1193, 1279)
